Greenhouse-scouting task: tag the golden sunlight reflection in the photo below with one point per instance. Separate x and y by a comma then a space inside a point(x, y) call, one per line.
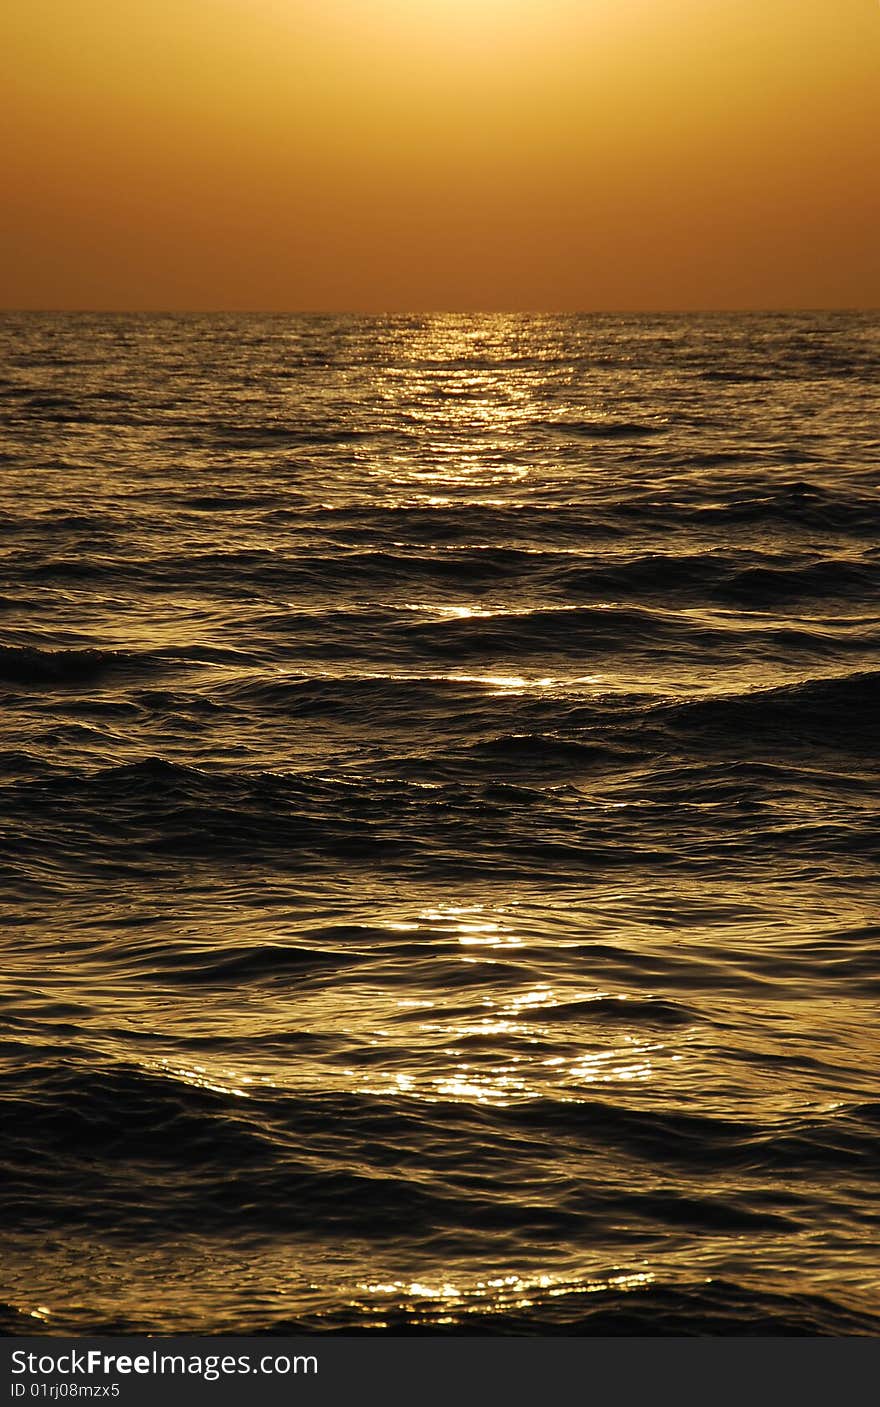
point(496, 1037)
point(491, 680)
point(514, 682)
point(492, 1048)
point(473, 423)
point(514, 1080)
point(220, 1081)
point(495, 1293)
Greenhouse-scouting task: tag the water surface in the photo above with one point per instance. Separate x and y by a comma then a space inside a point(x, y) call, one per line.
point(439, 776)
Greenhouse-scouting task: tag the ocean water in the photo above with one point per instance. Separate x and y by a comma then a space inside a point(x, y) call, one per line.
point(439, 793)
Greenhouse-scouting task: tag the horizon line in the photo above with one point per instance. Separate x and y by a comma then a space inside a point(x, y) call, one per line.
point(163, 311)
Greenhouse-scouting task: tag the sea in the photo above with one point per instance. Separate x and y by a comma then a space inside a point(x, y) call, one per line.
point(439, 787)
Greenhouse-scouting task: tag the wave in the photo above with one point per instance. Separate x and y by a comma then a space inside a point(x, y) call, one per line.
point(847, 1140)
point(669, 784)
point(36, 666)
point(763, 581)
point(217, 965)
point(708, 1307)
point(840, 712)
point(269, 435)
point(794, 504)
point(526, 579)
point(602, 429)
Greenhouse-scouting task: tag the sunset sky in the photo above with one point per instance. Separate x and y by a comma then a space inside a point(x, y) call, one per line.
point(382, 155)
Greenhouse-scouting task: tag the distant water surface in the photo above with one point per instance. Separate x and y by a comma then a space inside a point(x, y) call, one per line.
point(439, 786)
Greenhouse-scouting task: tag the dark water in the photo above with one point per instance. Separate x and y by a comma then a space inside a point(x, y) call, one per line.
point(439, 782)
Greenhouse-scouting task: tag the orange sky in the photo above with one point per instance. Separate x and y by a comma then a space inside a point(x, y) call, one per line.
point(383, 155)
